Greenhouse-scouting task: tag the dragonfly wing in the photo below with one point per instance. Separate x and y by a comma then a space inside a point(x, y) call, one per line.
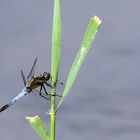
point(32, 69)
point(22, 94)
point(23, 77)
point(37, 104)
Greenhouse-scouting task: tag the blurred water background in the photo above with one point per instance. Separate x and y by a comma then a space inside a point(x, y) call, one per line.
point(104, 103)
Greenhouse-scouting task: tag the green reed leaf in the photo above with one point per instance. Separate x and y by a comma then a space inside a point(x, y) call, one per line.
point(38, 126)
point(91, 31)
point(56, 41)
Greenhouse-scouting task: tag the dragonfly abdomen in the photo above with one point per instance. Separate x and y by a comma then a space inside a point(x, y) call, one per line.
point(6, 106)
point(22, 94)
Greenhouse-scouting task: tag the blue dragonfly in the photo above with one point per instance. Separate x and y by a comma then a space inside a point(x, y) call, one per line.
point(31, 83)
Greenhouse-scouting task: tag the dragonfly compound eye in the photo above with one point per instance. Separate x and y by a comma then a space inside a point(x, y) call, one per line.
point(46, 75)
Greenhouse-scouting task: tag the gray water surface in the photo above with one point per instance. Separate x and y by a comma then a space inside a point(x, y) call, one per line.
point(104, 103)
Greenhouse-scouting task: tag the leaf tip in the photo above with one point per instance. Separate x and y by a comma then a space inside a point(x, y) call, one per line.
point(32, 119)
point(97, 20)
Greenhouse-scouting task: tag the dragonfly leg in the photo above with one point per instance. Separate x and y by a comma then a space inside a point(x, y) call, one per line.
point(41, 94)
point(40, 89)
point(48, 84)
point(44, 96)
point(47, 92)
point(57, 95)
point(45, 89)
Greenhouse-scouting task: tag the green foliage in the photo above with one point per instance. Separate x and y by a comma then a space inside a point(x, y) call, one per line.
point(91, 31)
point(56, 44)
point(56, 41)
point(38, 126)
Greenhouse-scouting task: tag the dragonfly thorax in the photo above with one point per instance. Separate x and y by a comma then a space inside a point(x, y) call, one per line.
point(37, 80)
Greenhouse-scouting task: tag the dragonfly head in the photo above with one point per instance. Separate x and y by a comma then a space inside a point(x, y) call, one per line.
point(46, 76)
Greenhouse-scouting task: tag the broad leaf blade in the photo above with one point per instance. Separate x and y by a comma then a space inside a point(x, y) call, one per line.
point(56, 41)
point(38, 126)
point(91, 31)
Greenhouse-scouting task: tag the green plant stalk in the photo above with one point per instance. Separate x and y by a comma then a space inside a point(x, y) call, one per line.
point(56, 43)
point(53, 118)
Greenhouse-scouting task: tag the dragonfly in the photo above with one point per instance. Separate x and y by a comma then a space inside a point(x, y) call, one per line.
point(31, 83)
